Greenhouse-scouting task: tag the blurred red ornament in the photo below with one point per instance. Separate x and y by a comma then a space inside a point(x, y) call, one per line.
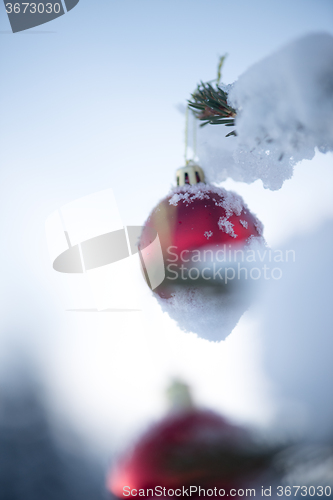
point(190, 448)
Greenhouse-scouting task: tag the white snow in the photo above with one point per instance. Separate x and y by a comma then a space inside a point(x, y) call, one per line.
point(285, 113)
point(212, 315)
point(208, 234)
point(231, 202)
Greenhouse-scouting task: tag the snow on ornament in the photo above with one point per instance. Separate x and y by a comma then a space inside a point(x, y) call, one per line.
point(203, 231)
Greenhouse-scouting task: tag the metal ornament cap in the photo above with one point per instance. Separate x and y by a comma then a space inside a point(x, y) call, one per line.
point(190, 174)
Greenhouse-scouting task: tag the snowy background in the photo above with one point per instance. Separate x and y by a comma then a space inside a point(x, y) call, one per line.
point(90, 102)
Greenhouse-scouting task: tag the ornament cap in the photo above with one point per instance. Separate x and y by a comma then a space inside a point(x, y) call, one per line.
point(190, 174)
point(179, 397)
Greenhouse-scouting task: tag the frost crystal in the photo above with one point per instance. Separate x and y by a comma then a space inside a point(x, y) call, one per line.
point(231, 202)
point(226, 226)
point(259, 226)
point(208, 234)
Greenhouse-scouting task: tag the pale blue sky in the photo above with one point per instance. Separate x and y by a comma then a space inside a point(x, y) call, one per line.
point(101, 91)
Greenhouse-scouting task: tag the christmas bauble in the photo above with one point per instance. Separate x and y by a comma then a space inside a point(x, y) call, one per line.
point(192, 218)
point(200, 228)
point(191, 448)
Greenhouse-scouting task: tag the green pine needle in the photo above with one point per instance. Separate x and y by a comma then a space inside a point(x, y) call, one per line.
point(210, 104)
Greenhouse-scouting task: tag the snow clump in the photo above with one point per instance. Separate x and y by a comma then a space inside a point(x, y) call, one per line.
point(284, 112)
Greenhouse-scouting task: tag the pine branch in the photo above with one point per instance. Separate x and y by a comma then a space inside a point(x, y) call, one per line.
point(210, 105)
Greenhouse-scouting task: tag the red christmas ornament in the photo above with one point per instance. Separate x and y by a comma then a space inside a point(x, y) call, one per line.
point(195, 216)
point(192, 448)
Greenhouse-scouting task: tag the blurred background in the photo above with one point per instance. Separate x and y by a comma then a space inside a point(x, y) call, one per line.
point(90, 102)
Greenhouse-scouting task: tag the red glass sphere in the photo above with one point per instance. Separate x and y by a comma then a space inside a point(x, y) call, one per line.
point(195, 217)
point(194, 448)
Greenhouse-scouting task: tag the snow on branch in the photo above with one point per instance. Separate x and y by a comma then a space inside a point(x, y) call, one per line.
point(284, 108)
